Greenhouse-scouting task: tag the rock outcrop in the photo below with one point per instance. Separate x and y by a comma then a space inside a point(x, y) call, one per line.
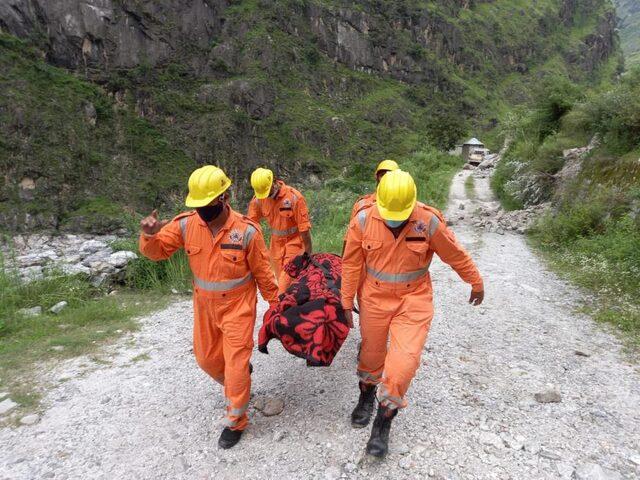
point(35, 256)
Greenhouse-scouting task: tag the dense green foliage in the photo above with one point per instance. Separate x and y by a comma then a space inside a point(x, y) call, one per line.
point(593, 230)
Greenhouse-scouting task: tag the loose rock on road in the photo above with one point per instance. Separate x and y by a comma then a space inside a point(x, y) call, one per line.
point(474, 408)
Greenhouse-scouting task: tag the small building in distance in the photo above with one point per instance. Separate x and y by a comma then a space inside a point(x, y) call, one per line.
point(473, 151)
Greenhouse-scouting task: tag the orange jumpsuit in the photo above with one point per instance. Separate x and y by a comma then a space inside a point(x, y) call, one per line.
point(288, 216)
point(362, 202)
point(396, 296)
point(365, 201)
point(225, 271)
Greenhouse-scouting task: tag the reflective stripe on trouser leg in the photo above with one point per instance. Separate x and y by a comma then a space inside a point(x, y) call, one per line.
point(390, 401)
point(366, 377)
point(236, 318)
point(234, 416)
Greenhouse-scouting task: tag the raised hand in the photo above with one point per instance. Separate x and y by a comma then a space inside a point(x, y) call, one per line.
point(151, 225)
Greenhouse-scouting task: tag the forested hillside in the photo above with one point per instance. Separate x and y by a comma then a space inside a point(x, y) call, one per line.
point(108, 105)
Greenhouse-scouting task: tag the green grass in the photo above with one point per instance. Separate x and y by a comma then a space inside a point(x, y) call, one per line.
point(28, 344)
point(605, 263)
point(331, 205)
point(164, 276)
point(470, 187)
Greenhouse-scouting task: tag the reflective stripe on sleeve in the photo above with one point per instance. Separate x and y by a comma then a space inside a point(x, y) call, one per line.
point(362, 218)
point(248, 236)
point(433, 225)
point(183, 228)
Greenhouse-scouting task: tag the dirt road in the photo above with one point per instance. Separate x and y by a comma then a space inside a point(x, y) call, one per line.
point(151, 413)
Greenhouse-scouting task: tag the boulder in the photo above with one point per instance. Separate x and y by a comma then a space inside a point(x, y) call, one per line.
point(120, 259)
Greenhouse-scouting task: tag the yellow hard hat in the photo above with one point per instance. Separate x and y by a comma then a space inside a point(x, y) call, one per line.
point(261, 181)
point(205, 184)
point(396, 196)
point(389, 165)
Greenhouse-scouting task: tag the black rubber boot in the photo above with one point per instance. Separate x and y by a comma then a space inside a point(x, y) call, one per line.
point(378, 443)
point(228, 438)
point(361, 415)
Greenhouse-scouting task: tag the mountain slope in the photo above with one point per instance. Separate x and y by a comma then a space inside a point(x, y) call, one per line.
point(308, 87)
point(629, 13)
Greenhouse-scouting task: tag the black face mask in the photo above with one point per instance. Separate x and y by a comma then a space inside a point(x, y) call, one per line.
point(210, 212)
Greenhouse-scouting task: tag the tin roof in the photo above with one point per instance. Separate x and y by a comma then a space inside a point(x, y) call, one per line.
point(474, 141)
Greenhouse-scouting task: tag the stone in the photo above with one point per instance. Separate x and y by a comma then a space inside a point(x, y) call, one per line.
point(92, 246)
point(120, 259)
point(30, 312)
point(29, 274)
point(582, 353)
point(549, 396)
point(37, 259)
point(57, 348)
point(549, 455)
point(490, 439)
point(75, 269)
point(565, 470)
point(58, 307)
point(405, 463)
point(461, 206)
point(174, 291)
point(635, 459)
point(3, 395)
point(279, 435)
point(7, 405)
point(95, 258)
point(532, 447)
point(511, 442)
point(400, 449)
point(592, 471)
point(99, 280)
point(29, 419)
point(350, 467)
point(269, 406)
point(332, 473)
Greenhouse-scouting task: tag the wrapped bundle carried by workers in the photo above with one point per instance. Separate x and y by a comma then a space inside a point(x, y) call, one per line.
point(309, 320)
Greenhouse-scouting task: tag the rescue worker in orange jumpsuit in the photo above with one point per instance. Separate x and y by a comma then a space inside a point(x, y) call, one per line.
point(228, 257)
point(394, 240)
point(366, 201)
point(287, 214)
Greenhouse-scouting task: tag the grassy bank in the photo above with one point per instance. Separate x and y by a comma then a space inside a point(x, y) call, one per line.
point(592, 233)
point(91, 319)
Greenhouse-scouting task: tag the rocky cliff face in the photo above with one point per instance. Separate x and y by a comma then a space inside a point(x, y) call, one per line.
point(111, 34)
point(305, 86)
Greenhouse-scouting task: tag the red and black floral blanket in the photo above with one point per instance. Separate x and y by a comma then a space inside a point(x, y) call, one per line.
point(309, 319)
